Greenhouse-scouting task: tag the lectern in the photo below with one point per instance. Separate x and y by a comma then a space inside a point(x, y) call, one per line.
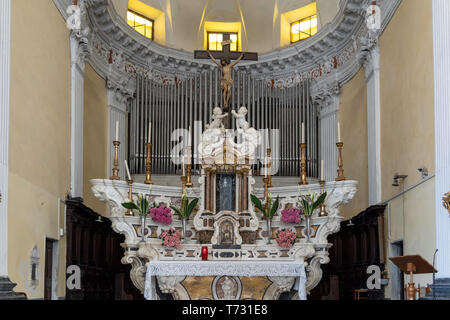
point(413, 265)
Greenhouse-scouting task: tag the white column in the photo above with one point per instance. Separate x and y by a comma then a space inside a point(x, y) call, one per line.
point(441, 37)
point(5, 66)
point(328, 119)
point(78, 50)
point(117, 109)
point(372, 66)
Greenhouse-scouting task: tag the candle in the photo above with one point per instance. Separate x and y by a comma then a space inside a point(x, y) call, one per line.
point(267, 139)
point(204, 253)
point(303, 132)
point(189, 155)
point(128, 170)
point(189, 138)
point(149, 132)
point(321, 172)
point(182, 164)
point(339, 132)
point(117, 130)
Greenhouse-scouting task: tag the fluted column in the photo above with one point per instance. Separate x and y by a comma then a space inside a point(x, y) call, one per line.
point(79, 52)
point(5, 65)
point(118, 99)
point(328, 103)
point(372, 67)
point(441, 36)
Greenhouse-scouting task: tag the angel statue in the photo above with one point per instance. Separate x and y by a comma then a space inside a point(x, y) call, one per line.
point(217, 119)
point(241, 122)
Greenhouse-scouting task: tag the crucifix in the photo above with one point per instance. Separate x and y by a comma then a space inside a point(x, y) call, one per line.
point(226, 66)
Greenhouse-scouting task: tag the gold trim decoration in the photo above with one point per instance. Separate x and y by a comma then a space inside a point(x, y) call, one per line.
point(446, 201)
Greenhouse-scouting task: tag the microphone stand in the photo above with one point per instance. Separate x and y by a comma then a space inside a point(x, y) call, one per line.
point(434, 257)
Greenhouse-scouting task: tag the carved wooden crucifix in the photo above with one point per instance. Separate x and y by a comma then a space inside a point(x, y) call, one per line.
point(225, 56)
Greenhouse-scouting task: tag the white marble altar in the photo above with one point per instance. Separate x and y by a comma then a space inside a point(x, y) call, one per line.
point(286, 272)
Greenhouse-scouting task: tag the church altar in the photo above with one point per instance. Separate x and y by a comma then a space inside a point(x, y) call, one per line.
point(240, 238)
point(276, 270)
point(138, 254)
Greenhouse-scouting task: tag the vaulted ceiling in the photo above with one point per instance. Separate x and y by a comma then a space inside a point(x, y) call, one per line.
point(261, 20)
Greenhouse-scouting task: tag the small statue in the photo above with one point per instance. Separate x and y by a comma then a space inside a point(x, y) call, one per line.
point(217, 119)
point(228, 288)
point(241, 122)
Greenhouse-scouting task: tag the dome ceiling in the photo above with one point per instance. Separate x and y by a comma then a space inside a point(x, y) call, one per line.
point(262, 21)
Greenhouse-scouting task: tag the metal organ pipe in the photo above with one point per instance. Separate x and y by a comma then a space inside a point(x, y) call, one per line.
point(180, 104)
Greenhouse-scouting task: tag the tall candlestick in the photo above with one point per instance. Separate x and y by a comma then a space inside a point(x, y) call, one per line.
point(267, 139)
point(128, 170)
point(303, 133)
point(117, 131)
point(339, 132)
point(149, 132)
point(115, 170)
point(321, 171)
point(303, 180)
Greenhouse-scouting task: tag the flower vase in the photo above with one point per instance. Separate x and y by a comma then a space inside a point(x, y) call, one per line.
point(308, 228)
point(269, 231)
point(183, 224)
point(143, 220)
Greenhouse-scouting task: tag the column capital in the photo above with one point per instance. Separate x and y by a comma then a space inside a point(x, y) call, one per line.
point(327, 99)
point(119, 93)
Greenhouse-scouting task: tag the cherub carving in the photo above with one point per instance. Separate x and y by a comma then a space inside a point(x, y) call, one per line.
point(217, 119)
point(241, 122)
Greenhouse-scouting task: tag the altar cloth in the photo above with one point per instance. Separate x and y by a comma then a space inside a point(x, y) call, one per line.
point(225, 268)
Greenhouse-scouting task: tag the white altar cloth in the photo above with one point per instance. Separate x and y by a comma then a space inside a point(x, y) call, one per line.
point(225, 268)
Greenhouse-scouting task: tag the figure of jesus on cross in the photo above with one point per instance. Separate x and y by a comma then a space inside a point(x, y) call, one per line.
point(226, 82)
point(226, 66)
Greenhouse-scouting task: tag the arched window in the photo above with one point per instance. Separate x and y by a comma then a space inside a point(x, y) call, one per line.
point(215, 40)
point(140, 23)
point(303, 29)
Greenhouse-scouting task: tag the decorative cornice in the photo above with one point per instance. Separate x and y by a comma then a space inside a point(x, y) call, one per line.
point(333, 53)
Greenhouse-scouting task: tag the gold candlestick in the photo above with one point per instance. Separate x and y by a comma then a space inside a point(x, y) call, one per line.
point(269, 166)
point(130, 195)
point(148, 165)
point(340, 171)
point(323, 211)
point(115, 170)
point(188, 176)
point(303, 180)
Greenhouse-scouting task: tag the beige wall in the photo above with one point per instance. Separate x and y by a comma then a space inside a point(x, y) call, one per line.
point(407, 122)
point(407, 95)
point(39, 160)
point(411, 218)
point(353, 120)
point(260, 20)
point(95, 142)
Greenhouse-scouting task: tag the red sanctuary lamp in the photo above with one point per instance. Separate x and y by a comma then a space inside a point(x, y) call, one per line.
point(204, 253)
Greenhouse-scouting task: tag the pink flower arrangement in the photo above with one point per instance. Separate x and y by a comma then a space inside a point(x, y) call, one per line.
point(290, 216)
point(161, 214)
point(171, 238)
point(286, 238)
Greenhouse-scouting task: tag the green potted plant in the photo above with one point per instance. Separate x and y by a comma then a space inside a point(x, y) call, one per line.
point(309, 205)
point(142, 207)
point(185, 210)
point(268, 209)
